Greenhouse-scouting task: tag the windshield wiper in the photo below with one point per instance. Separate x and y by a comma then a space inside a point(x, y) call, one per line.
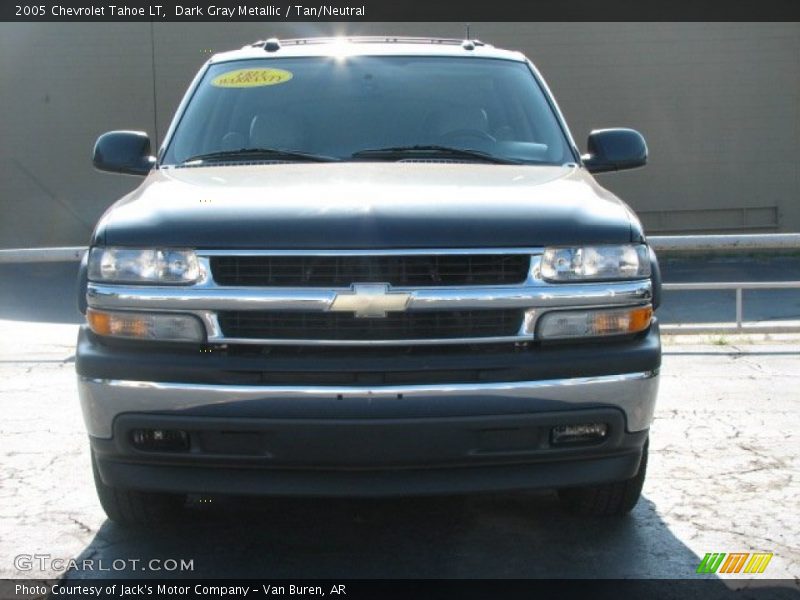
point(255, 153)
point(431, 150)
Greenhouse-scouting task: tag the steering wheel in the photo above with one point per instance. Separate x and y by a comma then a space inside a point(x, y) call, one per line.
point(469, 133)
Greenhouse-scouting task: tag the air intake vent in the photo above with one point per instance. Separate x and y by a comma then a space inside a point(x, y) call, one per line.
point(395, 326)
point(398, 271)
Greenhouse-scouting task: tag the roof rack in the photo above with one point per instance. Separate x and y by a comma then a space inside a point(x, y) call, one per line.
point(374, 39)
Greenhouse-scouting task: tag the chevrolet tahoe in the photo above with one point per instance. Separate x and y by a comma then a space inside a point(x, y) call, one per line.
point(368, 267)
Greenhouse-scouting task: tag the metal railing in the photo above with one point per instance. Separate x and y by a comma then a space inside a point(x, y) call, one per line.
point(727, 243)
point(676, 243)
point(29, 255)
point(739, 326)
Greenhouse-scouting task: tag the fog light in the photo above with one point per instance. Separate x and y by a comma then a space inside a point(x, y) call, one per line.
point(166, 327)
point(160, 440)
point(578, 434)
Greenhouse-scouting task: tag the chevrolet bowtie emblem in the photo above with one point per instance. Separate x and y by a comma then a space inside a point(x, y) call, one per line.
point(370, 300)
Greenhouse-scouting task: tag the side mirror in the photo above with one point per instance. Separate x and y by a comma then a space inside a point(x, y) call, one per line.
point(123, 152)
point(615, 150)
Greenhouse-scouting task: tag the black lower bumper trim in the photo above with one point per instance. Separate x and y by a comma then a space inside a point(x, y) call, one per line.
point(368, 457)
point(399, 482)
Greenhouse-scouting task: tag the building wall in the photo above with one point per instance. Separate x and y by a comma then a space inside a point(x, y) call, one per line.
point(718, 103)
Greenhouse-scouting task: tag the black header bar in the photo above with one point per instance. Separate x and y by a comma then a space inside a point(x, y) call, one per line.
point(349, 589)
point(397, 10)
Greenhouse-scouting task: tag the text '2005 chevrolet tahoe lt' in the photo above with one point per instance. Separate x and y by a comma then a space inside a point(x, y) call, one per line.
point(368, 267)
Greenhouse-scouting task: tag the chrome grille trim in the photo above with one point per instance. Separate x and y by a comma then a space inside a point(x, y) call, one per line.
point(373, 252)
point(565, 295)
point(206, 297)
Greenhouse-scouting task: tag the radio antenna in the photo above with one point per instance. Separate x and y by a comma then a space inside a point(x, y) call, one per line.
point(467, 33)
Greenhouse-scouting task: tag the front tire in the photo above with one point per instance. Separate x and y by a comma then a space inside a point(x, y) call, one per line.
point(136, 508)
point(613, 499)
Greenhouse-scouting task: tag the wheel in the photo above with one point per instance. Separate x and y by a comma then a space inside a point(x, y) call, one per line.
point(608, 499)
point(133, 507)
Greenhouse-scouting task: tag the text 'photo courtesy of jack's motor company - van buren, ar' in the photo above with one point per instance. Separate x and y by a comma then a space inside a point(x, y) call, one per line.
point(222, 591)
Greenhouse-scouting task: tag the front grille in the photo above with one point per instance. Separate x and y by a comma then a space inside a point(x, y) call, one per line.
point(398, 271)
point(345, 326)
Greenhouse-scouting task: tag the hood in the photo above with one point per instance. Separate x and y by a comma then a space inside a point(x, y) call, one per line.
point(367, 205)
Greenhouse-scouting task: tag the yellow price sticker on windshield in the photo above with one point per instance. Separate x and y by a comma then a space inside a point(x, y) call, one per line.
point(244, 78)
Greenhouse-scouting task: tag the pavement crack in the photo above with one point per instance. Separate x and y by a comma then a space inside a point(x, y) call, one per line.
point(83, 526)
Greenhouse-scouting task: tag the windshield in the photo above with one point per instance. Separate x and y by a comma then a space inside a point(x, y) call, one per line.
point(369, 108)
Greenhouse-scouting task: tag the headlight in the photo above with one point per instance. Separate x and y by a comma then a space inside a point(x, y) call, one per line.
point(165, 327)
point(129, 265)
point(592, 263)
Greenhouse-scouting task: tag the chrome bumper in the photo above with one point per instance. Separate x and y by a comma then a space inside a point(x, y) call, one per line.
point(102, 400)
